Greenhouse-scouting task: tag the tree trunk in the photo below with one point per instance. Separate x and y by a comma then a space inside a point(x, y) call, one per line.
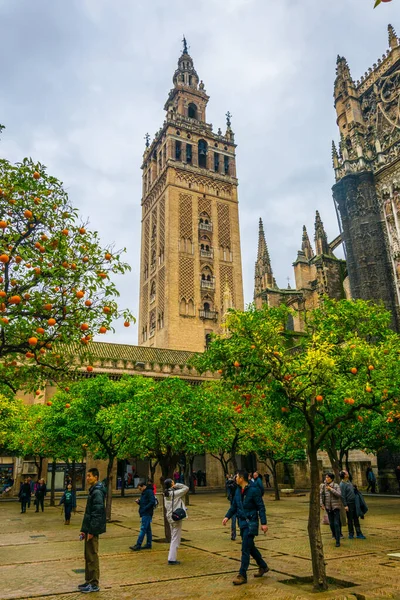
point(53, 483)
point(275, 476)
point(314, 526)
point(347, 462)
point(188, 479)
point(191, 462)
point(224, 463)
point(123, 478)
point(110, 466)
point(73, 476)
point(167, 464)
point(153, 467)
point(39, 466)
point(234, 461)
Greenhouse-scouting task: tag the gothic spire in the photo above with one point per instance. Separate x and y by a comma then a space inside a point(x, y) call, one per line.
point(306, 245)
point(321, 240)
point(263, 276)
point(393, 41)
point(335, 156)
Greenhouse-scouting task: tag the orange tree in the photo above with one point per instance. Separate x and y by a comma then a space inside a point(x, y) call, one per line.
point(55, 277)
point(12, 415)
point(346, 361)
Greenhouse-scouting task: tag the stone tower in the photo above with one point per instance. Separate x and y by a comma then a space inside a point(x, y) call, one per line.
point(190, 247)
point(367, 171)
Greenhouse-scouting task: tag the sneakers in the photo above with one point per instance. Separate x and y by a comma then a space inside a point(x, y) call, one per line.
point(135, 547)
point(174, 562)
point(233, 538)
point(83, 585)
point(360, 536)
point(146, 548)
point(90, 588)
point(239, 580)
point(261, 571)
point(351, 536)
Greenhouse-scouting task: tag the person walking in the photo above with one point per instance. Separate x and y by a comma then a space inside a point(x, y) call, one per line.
point(24, 494)
point(349, 503)
point(69, 500)
point(40, 493)
point(330, 500)
point(231, 487)
point(257, 480)
point(371, 480)
point(267, 480)
point(248, 505)
point(93, 525)
point(173, 499)
point(146, 504)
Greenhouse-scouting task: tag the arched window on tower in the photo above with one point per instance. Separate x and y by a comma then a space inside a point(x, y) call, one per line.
point(192, 111)
point(202, 150)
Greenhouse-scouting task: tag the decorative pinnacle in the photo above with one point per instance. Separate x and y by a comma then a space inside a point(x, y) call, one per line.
point(306, 244)
point(147, 138)
point(185, 46)
point(228, 121)
point(393, 41)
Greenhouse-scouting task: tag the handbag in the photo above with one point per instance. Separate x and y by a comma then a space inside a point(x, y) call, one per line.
point(179, 513)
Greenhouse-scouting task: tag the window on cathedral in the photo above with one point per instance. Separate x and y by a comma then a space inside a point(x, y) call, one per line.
point(178, 150)
point(216, 162)
point(192, 111)
point(226, 165)
point(202, 149)
point(154, 232)
point(182, 307)
point(189, 153)
point(191, 308)
point(190, 80)
point(206, 306)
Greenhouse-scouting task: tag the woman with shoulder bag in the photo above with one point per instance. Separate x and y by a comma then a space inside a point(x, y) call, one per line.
point(175, 512)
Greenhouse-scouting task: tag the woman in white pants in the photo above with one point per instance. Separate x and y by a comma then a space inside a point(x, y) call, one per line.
point(173, 498)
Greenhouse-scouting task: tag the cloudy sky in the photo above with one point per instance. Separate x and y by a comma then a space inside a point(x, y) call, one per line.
point(83, 81)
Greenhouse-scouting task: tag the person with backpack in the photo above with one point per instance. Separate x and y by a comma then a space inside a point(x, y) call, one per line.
point(349, 503)
point(146, 502)
point(248, 505)
point(69, 500)
point(175, 512)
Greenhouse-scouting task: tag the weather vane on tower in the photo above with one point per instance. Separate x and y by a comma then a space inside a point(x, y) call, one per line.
point(185, 46)
point(147, 138)
point(228, 119)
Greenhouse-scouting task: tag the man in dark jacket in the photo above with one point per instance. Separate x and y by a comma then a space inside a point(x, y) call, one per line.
point(349, 503)
point(93, 524)
point(248, 505)
point(146, 503)
point(231, 487)
point(258, 481)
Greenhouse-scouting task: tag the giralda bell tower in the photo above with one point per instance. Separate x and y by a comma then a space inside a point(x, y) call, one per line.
point(191, 271)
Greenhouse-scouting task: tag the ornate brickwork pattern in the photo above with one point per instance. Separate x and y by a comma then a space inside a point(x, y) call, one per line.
point(205, 206)
point(146, 257)
point(224, 225)
point(226, 273)
point(186, 278)
point(185, 216)
point(161, 227)
point(209, 185)
point(145, 303)
point(161, 289)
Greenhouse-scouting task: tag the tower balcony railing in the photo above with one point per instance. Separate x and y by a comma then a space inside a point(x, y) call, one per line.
point(212, 315)
point(207, 284)
point(206, 253)
point(205, 226)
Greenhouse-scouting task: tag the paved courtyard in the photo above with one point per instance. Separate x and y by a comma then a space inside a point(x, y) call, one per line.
point(42, 558)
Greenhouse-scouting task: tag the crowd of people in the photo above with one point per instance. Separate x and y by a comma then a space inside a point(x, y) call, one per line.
point(246, 512)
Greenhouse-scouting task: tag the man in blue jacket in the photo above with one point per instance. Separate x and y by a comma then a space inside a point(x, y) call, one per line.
point(146, 503)
point(248, 506)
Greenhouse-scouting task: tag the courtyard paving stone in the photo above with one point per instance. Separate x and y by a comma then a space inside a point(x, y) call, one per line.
point(39, 555)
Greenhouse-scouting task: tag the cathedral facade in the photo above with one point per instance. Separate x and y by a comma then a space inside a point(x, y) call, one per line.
point(191, 271)
point(367, 172)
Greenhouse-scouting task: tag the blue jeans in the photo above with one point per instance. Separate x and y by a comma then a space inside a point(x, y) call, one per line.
point(233, 525)
point(68, 511)
point(249, 549)
point(145, 530)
